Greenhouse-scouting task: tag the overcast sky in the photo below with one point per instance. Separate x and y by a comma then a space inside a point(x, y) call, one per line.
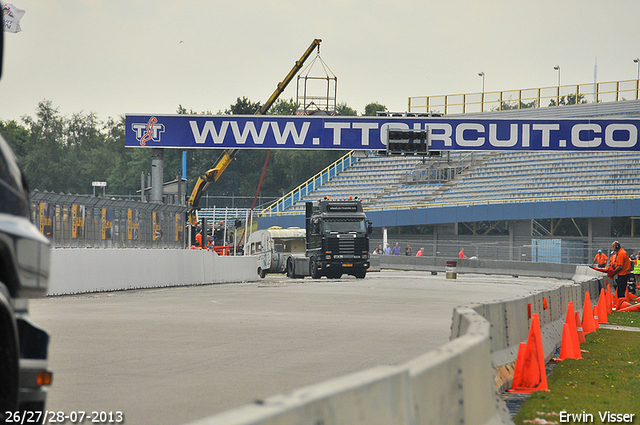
point(116, 57)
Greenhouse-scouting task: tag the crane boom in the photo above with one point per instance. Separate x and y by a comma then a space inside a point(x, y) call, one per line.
point(227, 155)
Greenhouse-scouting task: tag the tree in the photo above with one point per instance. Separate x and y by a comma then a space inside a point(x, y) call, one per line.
point(570, 99)
point(284, 107)
point(183, 111)
point(243, 107)
point(508, 105)
point(371, 108)
point(344, 110)
point(42, 160)
point(17, 136)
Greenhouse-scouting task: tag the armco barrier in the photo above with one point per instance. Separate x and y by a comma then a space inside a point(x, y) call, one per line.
point(456, 383)
point(79, 270)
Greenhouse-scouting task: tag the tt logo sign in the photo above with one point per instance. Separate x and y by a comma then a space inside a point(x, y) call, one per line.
point(150, 131)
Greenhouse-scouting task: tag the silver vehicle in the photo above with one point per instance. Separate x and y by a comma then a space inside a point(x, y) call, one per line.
point(273, 247)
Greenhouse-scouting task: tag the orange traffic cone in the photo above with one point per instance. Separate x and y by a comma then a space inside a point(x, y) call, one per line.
point(615, 299)
point(581, 337)
point(635, 307)
point(602, 307)
point(567, 350)
point(588, 323)
point(517, 373)
point(622, 303)
point(628, 295)
point(533, 376)
point(609, 300)
point(573, 331)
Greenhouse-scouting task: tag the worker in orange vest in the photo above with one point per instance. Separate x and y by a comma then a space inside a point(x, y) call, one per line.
point(622, 268)
point(600, 259)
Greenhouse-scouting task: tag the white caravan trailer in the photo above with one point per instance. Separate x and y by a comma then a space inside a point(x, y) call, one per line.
point(272, 247)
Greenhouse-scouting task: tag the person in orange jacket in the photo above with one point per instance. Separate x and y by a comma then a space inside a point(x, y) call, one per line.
point(622, 268)
point(600, 259)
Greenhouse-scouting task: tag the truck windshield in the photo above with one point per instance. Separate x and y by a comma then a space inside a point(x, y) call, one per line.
point(345, 225)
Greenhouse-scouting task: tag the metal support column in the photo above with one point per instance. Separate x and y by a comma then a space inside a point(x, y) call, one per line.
point(157, 155)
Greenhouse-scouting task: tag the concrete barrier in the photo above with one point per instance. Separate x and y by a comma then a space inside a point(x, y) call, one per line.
point(76, 271)
point(511, 268)
point(400, 395)
point(456, 383)
point(375, 396)
point(510, 322)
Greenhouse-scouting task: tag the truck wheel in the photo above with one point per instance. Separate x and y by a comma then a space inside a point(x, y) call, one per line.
point(360, 274)
point(313, 269)
point(290, 268)
point(262, 273)
point(9, 363)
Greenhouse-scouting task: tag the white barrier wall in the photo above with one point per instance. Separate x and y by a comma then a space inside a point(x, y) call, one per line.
point(377, 396)
point(79, 270)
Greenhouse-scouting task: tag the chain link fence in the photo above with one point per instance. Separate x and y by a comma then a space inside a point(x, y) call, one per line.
point(84, 221)
point(565, 250)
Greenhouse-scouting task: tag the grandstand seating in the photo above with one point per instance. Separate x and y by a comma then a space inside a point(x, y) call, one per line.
point(399, 182)
point(387, 182)
point(519, 175)
point(381, 181)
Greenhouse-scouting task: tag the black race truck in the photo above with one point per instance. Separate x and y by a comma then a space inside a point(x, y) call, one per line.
point(337, 241)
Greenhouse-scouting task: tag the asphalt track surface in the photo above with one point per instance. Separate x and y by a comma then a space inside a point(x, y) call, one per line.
point(170, 356)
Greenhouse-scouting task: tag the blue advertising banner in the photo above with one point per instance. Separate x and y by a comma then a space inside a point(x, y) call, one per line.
point(370, 133)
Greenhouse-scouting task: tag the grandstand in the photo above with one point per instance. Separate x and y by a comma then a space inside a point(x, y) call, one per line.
point(397, 182)
point(387, 182)
point(518, 187)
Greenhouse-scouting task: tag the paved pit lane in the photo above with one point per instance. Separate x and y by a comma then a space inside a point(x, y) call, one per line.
point(174, 355)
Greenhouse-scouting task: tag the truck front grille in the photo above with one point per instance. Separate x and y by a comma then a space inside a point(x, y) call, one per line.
point(347, 245)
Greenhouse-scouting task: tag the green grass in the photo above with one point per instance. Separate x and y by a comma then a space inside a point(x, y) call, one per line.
point(607, 378)
point(625, 318)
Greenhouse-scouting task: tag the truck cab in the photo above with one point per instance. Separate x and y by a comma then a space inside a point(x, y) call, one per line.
point(337, 240)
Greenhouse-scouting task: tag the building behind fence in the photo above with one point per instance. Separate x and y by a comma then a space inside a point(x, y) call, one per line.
point(85, 221)
point(90, 222)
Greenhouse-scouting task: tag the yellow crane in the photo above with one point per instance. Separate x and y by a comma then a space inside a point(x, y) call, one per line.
point(227, 155)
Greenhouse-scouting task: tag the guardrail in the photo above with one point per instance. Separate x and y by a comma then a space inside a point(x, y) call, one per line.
point(611, 91)
point(470, 202)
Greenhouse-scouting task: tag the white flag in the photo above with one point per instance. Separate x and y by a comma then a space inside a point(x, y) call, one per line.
point(11, 16)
